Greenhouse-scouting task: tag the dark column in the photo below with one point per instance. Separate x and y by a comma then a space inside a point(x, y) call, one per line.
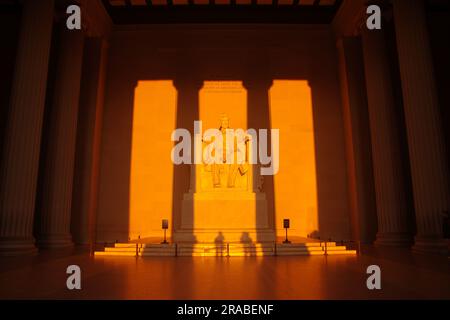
point(84, 206)
point(424, 129)
point(19, 169)
point(54, 226)
point(386, 145)
point(357, 139)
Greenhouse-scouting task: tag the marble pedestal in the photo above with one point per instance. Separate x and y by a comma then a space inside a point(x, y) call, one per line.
point(224, 215)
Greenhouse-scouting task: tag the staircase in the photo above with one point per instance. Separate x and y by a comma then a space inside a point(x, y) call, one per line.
point(225, 249)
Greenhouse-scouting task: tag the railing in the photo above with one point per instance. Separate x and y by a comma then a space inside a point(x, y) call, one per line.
point(349, 244)
point(352, 245)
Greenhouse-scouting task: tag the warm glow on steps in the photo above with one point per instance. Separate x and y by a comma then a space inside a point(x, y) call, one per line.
point(225, 250)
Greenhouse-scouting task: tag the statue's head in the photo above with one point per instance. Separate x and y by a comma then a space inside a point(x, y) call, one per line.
point(224, 122)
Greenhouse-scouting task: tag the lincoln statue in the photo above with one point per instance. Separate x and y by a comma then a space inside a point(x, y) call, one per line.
point(228, 156)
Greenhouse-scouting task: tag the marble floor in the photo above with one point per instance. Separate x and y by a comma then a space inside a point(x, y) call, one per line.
point(403, 276)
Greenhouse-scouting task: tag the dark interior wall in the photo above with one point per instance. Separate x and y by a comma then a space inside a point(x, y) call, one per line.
point(439, 30)
point(9, 32)
point(202, 52)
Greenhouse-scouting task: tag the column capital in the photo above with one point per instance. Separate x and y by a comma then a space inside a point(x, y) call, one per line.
point(95, 20)
point(352, 16)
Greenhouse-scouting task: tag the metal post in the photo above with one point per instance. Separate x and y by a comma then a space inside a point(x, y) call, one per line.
point(286, 239)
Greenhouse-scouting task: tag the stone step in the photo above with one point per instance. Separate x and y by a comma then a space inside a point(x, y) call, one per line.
point(125, 245)
point(157, 251)
point(342, 252)
point(232, 249)
point(251, 254)
point(338, 248)
point(222, 249)
point(311, 248)
point(307, 244)
point(115, 253)
point(120, 249)
point(232, 254)
point(157, 254)
point(157, 245)
point(301, 253)
point(300, 249)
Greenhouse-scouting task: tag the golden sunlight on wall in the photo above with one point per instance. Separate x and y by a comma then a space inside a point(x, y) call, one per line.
point(217, 97)
point(295, 184)
point(233, 208)
point(151, 176)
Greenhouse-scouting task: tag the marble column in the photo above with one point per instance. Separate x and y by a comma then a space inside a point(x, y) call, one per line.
point(386, 145)
point(54, 226)
point(89, 128)
point(96, 142)
point(357, 140)
point(423, 123)
point(19, 168)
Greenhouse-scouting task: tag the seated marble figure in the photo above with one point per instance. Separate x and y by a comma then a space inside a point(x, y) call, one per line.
point(227, 162)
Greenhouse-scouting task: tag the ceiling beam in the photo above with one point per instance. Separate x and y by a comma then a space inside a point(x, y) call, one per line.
point(223, 14)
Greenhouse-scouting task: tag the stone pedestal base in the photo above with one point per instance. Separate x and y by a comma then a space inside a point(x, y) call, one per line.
point(393, 239)
point(224, 215)
point(224, 236)
point(55, 241)
point(430, 245)
point(17, 247)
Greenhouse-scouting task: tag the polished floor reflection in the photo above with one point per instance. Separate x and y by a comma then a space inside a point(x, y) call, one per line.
point(404, 276)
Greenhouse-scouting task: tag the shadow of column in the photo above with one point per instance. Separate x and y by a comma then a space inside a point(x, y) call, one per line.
point(258, 117)
point(187, 112)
